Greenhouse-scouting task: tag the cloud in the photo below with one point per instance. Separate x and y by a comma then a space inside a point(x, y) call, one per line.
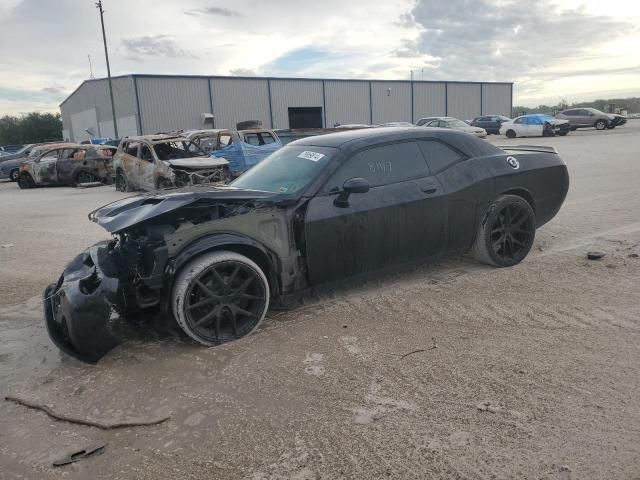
point(243, 72)
point(54, 89)
point(483, 40)
point(154, 46)
point(214, 11)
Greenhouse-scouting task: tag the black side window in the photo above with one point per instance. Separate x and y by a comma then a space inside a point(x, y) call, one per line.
point(146, 153)
point(439, 156)
point(382, 165)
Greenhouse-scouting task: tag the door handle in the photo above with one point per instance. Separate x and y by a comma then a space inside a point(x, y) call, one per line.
point(429, 189)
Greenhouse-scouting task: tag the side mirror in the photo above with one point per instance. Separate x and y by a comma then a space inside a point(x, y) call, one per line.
point(353, 185)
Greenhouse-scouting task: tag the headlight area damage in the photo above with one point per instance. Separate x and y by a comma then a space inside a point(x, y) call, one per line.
point(133, 272)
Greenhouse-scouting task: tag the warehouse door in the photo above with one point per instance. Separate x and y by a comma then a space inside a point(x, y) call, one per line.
point(305, 117)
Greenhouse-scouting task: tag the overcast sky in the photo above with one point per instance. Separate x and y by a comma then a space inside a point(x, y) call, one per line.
point(580, 51)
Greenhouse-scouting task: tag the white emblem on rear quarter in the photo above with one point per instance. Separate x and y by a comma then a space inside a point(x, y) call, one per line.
point(513, 162)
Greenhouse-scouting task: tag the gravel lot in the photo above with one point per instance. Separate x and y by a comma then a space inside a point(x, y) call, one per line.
point(527, 372)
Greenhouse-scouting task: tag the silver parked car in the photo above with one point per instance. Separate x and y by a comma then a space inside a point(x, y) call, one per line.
point(454, 123)
point(585, 118)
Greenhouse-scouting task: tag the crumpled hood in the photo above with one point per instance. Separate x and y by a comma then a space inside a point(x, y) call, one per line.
point(197, 162)
point(122, 214)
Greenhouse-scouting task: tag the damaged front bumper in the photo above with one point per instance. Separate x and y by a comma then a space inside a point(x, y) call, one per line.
point(80, 308)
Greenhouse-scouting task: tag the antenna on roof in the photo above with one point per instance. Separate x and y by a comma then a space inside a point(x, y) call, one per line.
point(91, 77)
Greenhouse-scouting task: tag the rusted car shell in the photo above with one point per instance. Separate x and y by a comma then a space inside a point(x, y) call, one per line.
point(137, 165)
point(66, 164)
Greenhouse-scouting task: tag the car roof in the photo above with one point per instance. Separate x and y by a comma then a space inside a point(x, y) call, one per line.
point(156, 138)
point(354, 139)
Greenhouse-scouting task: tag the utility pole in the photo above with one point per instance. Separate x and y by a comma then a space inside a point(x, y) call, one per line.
point(106, 55)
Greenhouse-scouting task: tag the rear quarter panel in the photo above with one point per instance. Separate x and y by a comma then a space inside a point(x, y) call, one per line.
point(544, 176)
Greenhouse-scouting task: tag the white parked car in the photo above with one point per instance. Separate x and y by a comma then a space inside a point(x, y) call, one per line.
point(535, 125)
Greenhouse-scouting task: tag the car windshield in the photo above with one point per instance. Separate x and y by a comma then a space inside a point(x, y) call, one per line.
point(287, 170)
point(177, 149)
point(456, 123)
point(545, 118)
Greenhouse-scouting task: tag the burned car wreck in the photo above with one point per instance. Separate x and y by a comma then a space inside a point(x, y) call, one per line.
point(316, 211)
point(151, 162)
point(66, 164)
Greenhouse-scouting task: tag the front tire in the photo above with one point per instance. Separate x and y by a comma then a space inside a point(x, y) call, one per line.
point(600, 125)
point(25, 181)
point(163, 184)
point(13, 175)
point(510, 134)
point(122, 182)
point(506, 233)
point(220, 296)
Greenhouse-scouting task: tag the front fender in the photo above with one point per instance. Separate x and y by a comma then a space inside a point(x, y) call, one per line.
point(266, 260)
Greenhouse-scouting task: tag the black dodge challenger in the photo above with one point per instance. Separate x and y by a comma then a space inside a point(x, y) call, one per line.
point(319, 210)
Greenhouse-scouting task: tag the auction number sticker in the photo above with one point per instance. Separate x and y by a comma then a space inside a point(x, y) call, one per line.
point(313, 156)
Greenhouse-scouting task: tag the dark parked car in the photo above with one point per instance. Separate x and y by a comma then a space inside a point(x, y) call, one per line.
point(10, 163)
point(491, 123)
point(318, 210)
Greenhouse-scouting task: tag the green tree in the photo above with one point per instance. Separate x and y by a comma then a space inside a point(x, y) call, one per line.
point(34, 127)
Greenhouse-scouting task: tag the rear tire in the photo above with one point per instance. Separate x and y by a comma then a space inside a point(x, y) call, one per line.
point(510, 134)
point(220, 296)
point(13, 175)
point(563, 134)
point(600, 125)
point(506, 233)
point(84, 177)
point(25, 181)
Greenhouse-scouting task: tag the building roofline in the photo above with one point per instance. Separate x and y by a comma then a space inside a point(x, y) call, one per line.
point(229, 77)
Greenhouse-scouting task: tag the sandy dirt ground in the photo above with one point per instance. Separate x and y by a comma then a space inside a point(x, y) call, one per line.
point(528, 372)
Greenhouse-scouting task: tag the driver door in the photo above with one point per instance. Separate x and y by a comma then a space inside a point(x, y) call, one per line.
point(146, 166)
point(45, 168)
point(400, 219)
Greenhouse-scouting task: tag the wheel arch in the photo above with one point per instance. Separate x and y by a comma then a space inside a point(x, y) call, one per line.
point(523, 193)
point(233, 242)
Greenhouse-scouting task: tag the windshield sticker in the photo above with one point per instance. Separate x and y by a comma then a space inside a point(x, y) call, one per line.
point(313, 156)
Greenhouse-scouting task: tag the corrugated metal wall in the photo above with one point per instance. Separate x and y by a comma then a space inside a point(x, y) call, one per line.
point(236, 100)
point(391, 101)
point(94, 94)
point(463, 100)
point(172, 103)
point(81, 121)
point(293, 93)
point(429, 100)
point(496, 99)
point(347, 102)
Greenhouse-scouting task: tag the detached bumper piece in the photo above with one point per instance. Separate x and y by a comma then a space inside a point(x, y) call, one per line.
point(80, 307)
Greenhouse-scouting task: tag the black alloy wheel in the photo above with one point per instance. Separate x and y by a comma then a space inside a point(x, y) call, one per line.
point(506, 233)
point(224, 302)
point(512, 233)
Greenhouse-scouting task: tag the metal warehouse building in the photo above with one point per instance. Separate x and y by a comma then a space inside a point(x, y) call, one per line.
point(160, 103)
